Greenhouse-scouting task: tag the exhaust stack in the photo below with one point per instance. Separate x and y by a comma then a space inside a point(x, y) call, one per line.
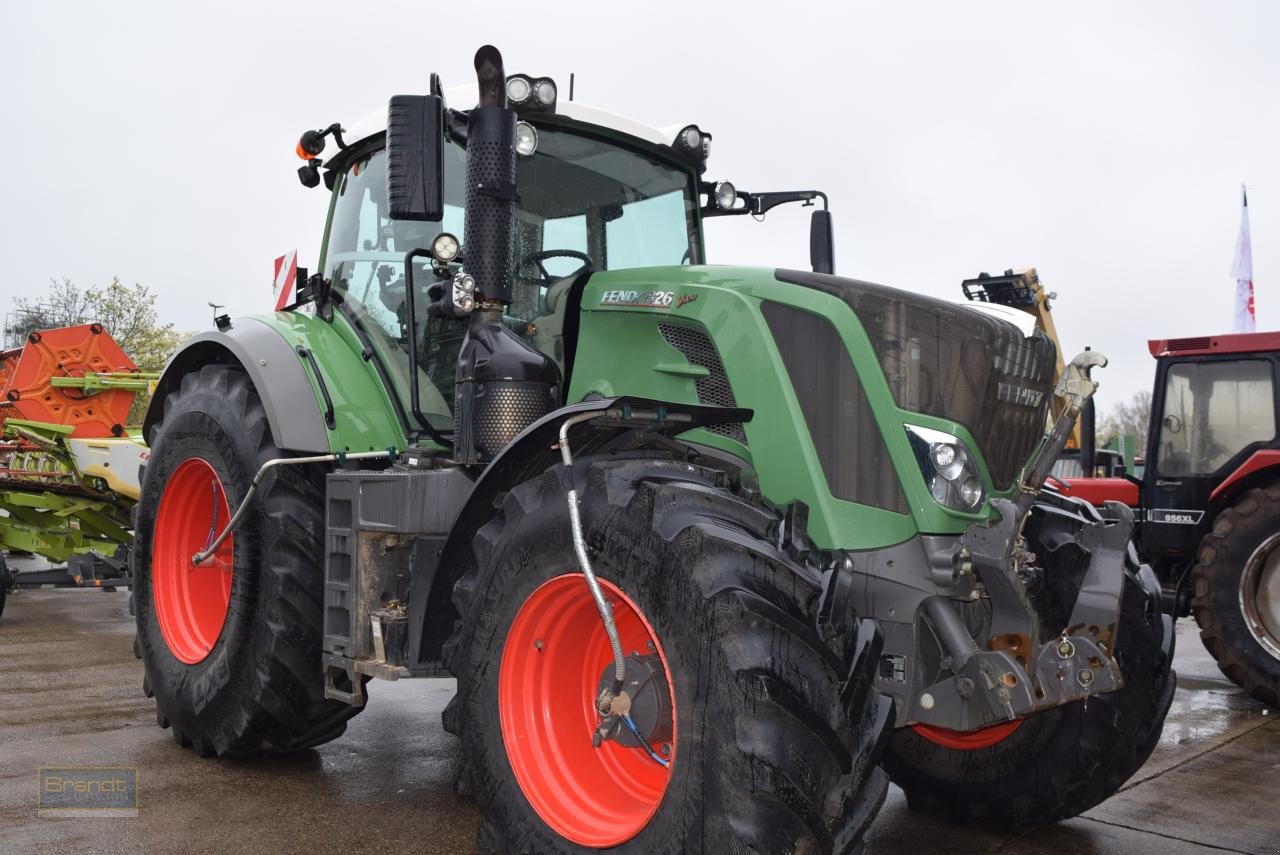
point(503, 384)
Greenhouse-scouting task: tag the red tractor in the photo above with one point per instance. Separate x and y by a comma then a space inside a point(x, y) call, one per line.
point(1209, 498)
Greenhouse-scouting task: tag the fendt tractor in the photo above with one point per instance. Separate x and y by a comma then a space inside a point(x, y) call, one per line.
point(702, 546)
point(1209, 498)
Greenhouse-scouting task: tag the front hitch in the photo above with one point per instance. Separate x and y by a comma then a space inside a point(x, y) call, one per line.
point(1025, 669)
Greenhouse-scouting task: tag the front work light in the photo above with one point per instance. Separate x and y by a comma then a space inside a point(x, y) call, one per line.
point(518, 89)
point(948, 468)
point(526, 139)
point(726, 196)
point(690, 138)
point(444, 248)
point(545, 91)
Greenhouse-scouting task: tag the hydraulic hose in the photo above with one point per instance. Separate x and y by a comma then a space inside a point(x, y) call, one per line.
point(203, 556)
point(580, 547)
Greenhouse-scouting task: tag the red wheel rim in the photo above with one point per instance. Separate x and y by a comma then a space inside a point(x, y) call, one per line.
point(191, 602)
point(551, 666)
point(972, 740)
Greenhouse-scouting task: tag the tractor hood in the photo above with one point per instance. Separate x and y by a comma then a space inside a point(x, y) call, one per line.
point(955, 362)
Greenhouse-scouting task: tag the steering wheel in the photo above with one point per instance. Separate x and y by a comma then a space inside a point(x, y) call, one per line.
point(546, 279)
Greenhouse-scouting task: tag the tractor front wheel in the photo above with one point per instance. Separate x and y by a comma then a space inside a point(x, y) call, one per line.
point(230, 647)
point(1236, 593)
point(746, 732)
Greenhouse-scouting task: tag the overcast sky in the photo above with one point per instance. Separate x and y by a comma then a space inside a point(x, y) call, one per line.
point(1103, 143)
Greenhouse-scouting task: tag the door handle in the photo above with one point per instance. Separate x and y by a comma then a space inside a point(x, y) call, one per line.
point(1166, 485)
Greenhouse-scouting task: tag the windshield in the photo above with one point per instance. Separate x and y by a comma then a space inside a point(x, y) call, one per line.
point(584, 205)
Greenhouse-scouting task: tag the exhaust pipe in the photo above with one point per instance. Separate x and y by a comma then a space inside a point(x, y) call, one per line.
point(491, 181)
point(503, 384)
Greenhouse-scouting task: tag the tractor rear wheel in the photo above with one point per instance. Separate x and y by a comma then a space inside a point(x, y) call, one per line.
point(231, 649)
point(1058, 763)
point(751, 734)
point(1236, 593)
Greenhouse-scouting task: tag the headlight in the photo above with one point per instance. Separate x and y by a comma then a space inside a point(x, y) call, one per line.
point(947, 467)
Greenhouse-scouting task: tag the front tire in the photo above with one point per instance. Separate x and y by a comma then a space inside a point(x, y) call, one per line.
point(1060, 762)
point(775, 737)
point(1236, 593)
point(231, 651)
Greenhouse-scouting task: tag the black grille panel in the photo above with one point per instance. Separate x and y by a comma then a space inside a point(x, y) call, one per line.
point(955, 363)
point(714, 389)
point(844, 431)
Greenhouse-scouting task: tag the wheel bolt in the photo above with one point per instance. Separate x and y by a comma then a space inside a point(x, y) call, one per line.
point(537, 644)
point(1085, 677)
point(665, 750)
point(1066, 649)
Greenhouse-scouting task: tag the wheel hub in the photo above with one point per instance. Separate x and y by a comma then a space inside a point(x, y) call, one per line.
point(1260, 596)
point(647, 702)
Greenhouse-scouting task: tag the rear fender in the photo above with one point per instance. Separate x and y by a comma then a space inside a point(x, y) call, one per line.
point(276, 371)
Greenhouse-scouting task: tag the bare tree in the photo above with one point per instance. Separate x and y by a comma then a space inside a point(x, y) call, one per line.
point(63, 306)
point(1128, 418)
point(127, 312)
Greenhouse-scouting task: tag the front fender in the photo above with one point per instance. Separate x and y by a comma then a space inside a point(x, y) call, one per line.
point(536, 448)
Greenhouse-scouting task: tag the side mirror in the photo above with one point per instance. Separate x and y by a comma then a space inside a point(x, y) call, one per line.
point(822, 253)
point(415, 152)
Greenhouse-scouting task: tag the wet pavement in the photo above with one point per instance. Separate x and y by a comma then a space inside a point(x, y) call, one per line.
point(70, 694)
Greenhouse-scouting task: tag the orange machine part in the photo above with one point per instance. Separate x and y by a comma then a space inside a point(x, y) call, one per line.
point(28, 393)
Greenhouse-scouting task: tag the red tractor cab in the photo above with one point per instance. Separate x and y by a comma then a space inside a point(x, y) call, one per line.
point(1208, 500)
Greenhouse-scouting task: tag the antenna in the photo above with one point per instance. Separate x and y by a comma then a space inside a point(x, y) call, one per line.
point(570, 85)
point(215, 307)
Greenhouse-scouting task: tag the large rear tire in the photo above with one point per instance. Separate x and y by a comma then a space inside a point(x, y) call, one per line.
point(231, 651)
point(776, 736)
point(1060, 762)
point(1236, 593)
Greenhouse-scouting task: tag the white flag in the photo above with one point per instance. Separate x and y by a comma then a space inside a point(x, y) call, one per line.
point(1242, 270)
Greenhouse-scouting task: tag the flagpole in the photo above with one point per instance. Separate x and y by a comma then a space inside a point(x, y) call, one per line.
point(1244, 314)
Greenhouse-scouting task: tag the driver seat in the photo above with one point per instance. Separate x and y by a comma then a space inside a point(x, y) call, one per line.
point(548, 330)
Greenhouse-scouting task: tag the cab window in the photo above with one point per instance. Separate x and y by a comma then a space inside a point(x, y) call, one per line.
point(1212, 412)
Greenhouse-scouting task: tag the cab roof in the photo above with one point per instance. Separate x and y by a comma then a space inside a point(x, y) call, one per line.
point(1212, 344)
point(458, 96)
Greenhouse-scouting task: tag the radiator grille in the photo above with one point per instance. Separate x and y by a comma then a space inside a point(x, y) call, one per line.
point(843, 429)
point(950, 361)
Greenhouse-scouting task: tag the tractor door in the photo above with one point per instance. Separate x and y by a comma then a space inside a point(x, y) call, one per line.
point(1209, 413)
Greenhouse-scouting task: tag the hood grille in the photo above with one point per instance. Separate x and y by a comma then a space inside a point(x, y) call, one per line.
point(951, 362)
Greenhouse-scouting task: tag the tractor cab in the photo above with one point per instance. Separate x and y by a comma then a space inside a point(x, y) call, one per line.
point(1213, 430)
point(597, 192)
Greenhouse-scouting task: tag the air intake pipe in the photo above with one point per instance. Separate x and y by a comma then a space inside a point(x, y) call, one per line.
point(503, 384)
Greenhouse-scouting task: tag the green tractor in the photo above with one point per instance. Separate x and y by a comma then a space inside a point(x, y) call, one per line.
point(712, 552)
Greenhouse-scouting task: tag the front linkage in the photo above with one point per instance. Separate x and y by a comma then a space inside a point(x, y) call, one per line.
point(1050, 620)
